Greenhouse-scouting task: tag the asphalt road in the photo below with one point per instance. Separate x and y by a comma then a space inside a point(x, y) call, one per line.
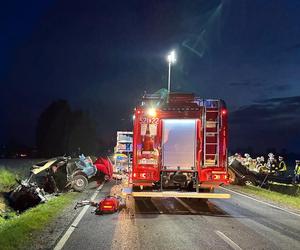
point(237, 223)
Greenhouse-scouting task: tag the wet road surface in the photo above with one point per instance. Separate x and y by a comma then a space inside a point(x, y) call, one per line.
point(170, 223)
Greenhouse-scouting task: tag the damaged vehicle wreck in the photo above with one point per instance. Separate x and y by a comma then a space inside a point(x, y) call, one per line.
point(51, 177)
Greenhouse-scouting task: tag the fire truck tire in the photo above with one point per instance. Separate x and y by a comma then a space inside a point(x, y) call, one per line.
point(79, 183)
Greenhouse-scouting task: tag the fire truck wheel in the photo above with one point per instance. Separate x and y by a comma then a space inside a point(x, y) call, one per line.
point(80, 183)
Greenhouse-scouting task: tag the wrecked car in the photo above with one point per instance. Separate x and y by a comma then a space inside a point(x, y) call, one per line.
point(27, 194)
point(241, 175)
point(52, 176)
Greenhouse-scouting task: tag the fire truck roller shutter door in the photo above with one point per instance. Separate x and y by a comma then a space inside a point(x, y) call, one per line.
point(179, 144)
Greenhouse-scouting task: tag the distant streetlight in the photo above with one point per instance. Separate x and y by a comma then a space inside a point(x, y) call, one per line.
point(171, 58)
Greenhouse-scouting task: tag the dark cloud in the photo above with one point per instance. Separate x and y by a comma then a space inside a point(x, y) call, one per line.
point(271, 123)
point(282, 87)
point(246, 83)
point(260, 86)
point(293, 47)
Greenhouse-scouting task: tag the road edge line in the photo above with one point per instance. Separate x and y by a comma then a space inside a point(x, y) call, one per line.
point(229, 241)
point(263, 202)
point(60, 244)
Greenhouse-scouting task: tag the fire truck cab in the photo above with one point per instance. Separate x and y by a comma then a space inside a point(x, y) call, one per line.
point(179, 147)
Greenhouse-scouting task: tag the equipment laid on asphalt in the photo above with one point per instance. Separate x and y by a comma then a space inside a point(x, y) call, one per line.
point(179, 144)
point(109, 204)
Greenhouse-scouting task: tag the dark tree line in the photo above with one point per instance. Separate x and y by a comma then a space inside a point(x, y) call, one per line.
point(63, 131)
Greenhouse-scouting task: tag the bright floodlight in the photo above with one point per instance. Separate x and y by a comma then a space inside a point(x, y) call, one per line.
point(171, 57)
point(151, 112)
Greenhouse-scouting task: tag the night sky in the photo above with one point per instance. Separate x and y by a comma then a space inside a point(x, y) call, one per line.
point(102, 55)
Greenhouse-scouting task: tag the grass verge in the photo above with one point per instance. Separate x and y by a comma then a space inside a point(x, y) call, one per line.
point(7, 180)
point(283, 199)
point(16, 233)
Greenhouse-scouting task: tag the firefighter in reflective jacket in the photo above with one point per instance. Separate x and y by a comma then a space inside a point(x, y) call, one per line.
point(297, 172)
point(282, 166)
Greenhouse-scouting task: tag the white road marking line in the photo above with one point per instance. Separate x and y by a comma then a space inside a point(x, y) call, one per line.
point(263, 202)
point(70, 230)
point(157, 207)
point(186, 205)
point(228, 240)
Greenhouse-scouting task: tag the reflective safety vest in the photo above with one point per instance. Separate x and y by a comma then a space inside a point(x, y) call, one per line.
point(297, 169)
point(282, 166)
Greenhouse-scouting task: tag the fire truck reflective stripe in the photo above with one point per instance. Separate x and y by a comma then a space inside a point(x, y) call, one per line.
point(181, 195)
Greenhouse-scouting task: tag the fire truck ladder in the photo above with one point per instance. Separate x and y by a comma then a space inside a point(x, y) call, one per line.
point(211, 124)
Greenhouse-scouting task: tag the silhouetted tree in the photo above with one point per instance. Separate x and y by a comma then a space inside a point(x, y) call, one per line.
point(82, 135)
point(52, 127)
point(62, 131)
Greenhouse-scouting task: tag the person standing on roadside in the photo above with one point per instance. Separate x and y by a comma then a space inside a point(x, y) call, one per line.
point(297, 172)
point(282, 166)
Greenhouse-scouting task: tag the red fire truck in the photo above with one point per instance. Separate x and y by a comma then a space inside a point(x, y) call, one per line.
point(179, 147)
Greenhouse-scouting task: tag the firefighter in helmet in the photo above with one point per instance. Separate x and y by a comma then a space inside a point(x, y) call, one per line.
point(297, 172)
point(238, 157)
point(247, 160)
point(272, 163)
point(282, 166)
point(260, 162)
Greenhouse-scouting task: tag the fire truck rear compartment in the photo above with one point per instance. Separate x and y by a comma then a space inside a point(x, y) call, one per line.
point(178, 153)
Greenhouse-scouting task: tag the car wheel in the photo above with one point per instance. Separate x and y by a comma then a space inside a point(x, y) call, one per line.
point(250, 181)
point(80, 183)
